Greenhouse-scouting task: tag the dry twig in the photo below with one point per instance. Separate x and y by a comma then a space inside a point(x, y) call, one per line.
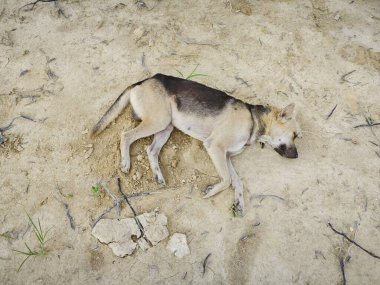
point(367, 125)
point(371, 124)
point(117, 201)
point(134, 212)
point(130, 206)
point(332, 111)
point(32, 4)
point(103, 214)
point(343, 77)
point(10, 125)
point(342, 263)
point(69, 216)
point(205, 263)
point(353, 242)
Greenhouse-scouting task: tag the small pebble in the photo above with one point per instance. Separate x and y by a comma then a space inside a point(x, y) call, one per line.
point(174, 163)
point(139, 32)
point(178, 245)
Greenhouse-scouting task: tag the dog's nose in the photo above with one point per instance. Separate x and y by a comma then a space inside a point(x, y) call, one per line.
point(288, 152)
point(291, 152)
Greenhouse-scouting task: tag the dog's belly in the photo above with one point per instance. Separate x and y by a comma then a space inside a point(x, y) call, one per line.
point(192, 125)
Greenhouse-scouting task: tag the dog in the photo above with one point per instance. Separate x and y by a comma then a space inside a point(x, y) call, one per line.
point(223, 123)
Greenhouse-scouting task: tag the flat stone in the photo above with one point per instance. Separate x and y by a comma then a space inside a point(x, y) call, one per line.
point(155, 226)
point(122, 249)
point(115, 230)
point(178, 245)
point(117, 234)
point(143, 244)
point(123, 235)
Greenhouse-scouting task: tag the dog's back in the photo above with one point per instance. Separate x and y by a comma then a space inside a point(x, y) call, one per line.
point(192, 96)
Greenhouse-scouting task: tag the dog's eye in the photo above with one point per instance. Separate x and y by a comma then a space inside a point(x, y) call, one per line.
point(295, 135)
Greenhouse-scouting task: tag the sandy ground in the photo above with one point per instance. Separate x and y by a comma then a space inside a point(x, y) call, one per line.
point(62, 65)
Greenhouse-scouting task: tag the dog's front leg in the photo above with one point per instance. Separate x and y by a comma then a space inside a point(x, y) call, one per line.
point(219, 158)
point(238, 187)
point(124, 152)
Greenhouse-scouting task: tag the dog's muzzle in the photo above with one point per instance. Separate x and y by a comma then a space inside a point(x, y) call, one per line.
point(288, 152)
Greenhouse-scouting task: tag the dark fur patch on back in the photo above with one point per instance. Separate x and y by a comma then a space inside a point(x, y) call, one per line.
point(194, 97)
point(138, 83)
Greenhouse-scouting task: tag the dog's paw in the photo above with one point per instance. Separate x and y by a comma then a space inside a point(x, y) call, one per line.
point(124, 166)
point(208, 192)
point(160, 180)
point(237, 209)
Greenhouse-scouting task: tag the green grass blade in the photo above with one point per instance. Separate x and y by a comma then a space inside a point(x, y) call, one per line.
point(39, 225)
point(41, 237)
point(191, 74)
point(180, 73)
point(40, 233)
point(30, 220)
point(35, 229)
point(28, 247)
point(21, 252)
point(195, 75)
point(22, 263)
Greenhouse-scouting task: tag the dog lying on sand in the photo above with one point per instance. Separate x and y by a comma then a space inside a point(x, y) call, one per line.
point(224, 124)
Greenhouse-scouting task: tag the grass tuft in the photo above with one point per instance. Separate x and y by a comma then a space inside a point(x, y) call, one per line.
point(192, 74)
point(40, 235)
point(96, 190)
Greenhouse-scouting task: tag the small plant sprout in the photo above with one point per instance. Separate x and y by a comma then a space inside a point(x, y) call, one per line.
point(41, 238)
point(96, 190)
point(192, 74)
point(234, 211)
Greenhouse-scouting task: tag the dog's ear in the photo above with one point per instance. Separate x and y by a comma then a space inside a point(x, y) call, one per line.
point(299, 131)
point(287, 113)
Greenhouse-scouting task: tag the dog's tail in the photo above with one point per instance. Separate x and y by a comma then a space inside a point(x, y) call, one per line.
point(112, 113)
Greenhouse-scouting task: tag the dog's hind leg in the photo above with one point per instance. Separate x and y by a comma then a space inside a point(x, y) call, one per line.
point(150, 104)
point(154, 150)
point(238, 187)
point(144, 129)
point(219, 158)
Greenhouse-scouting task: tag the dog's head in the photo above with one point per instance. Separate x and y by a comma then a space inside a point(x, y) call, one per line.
point(281, 130)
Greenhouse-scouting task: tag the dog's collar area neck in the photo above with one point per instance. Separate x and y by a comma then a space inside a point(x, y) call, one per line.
point(258, 126)
point(257, 113)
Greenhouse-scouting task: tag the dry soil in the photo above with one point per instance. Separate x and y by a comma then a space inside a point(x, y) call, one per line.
point(63, 63)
